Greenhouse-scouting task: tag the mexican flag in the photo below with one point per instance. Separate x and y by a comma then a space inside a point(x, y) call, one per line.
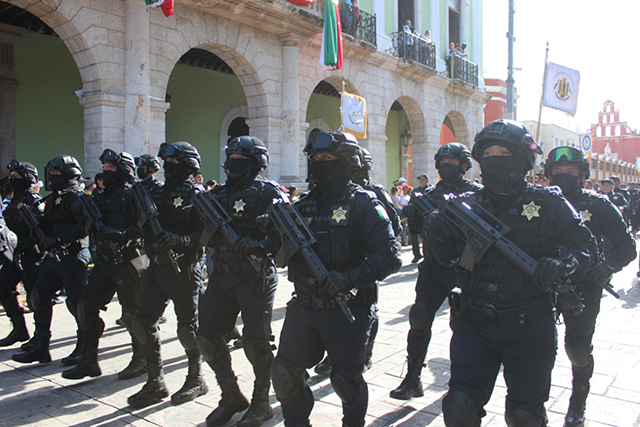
point(331, 50)
point(165, 5)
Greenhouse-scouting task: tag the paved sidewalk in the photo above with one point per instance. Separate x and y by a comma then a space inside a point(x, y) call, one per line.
point(37, 395)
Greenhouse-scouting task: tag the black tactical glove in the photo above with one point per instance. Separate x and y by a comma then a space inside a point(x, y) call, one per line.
point(247, 247)
point(107, 233)
point(549, 270)
point(167, 239)
point(336, 282)
point(599, 274)
point(437, 227)
point(263, 221)
point(51, 243)
point(409, 210)
point(24, 245)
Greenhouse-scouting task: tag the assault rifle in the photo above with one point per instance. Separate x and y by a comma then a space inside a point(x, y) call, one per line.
point(215, 217)
point(424, 203)
point(148, 213)
point(298, 237)
point(93, 219)
point(33, 224)
point(482, 231)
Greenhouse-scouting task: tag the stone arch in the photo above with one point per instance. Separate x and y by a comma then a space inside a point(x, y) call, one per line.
point(241, 111)
point(316, 124)
point(460, 127)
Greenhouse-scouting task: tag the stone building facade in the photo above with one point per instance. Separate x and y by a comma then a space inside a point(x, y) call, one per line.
point(126, 53)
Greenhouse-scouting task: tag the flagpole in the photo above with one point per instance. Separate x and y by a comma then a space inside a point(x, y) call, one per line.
point(544, 84)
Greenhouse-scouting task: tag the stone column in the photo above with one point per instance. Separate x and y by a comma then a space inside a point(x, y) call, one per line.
point(8, 85)
point(137, 124)
point(269, 129)
point(376, 144)
point(290, 139)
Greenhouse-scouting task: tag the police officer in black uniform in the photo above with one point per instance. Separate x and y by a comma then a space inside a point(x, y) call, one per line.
point(25, 266)
point(357, 245)
point(504, 317)
point(148, 165)
point(236, 287)
point(435, 281)
point(568, 167)
point(66, 264)
point(162, 282)
point(119, 261)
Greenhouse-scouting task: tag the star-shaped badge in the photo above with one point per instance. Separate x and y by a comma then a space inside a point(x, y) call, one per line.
point(530, 210)
point(239, 205)
point(586, 215)
point(339, 214)
point(177, 202)
point(58, 200)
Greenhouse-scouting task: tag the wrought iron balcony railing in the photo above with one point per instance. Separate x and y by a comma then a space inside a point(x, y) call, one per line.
point(358, 23)
point(411, 46)
point(463, 70)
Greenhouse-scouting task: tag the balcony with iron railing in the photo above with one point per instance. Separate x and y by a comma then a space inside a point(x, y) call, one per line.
point(408, 46)
point(462, 70)
point(358, 24)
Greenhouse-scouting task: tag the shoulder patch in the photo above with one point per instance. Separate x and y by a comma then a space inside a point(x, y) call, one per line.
point(369, 194)
point(382, 212)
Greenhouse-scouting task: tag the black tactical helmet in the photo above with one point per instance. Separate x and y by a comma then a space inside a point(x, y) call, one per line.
point(148, 160)
point(250, 147)
point(566, 156)
point(68, 165)
point(511, 134)
point(25, 170)
point(123, 161)
point(367, 160)
point(183, 151)
point(342, 144)
point(453, 150)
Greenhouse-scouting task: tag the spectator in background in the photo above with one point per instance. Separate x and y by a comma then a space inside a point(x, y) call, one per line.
point(405, 195)
point(588, 185)
point(423, 187)
point(346, 16)
point(198, 178)
point(99, 185)
point(427, 36)
point(395, 198)
point(37, 186)
point(293, 194)
point(210, 185)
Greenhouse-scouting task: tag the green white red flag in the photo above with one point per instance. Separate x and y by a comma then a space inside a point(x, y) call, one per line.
point(331, 49)
point(165, 5)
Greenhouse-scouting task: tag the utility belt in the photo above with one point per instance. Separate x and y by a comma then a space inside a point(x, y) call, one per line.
point(125, 256)
point(232, 268)
point(325, 302)
point(483, 312)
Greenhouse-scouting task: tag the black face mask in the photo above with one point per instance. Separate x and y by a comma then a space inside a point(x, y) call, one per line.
point(112, 179)
point(142, 172)
point(569, 184)
point(20, 184)
point(171, 170)
point(322, 170)
point(450, 173)
point(499, 174)
point(56, 182)
point(237, 168)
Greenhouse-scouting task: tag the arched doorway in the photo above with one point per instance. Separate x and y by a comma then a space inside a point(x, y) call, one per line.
point(399, 138)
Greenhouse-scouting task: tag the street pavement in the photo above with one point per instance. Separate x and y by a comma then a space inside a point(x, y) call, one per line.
point(37, 395)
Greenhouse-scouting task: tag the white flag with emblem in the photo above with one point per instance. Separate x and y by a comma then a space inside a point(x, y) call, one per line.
point(354, 114)
point(561, 88)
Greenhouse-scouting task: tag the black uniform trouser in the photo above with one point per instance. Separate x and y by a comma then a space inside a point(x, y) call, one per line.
point(10, 275)
point(479, 349)
point(159, 284)
point(434, 284)
point(101, 288)
point(305, 335)
point(580, 329)
point(253, 297)
point(71, 273)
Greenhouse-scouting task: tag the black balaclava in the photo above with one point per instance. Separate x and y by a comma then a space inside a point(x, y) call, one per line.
point(143, 172)
point(569, 184)
point(20, 184)
point(501, 174)
point(57, 182)
point(113, 179)
point(449, 172)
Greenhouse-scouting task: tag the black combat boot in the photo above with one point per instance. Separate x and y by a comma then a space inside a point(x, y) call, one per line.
point(87, 367)
point(136, 367)
point(411, 386)
point(76, 355)
point(29, 344)
point(194, 386)
point(260, 409)
point(18, 333)
point(152, 392)
point(232, 401)
point(577, 405)
point(39, 352)
point(324, 367)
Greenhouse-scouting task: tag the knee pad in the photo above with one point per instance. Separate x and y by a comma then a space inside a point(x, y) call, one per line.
point(460, 410)
point(212, 348)
point(348, 391)
point(141, 331)
point(579, 356)
point(288, 381)
point(418, 316)
point(187, 338)
point(127, 321)
point(36, 300)
point(516, 417)
point(72, 306)
point(258, 355)
point(86, 314)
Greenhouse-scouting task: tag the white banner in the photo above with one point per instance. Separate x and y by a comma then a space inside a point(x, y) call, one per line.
point(585, 143)
point(354, 114)
point(561, 88)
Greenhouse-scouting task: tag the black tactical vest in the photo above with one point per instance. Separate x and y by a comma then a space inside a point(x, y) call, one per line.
point(12, 217)
point(59, 216)
point(117, 212)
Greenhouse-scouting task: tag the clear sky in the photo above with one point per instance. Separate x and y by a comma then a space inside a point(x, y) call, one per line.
point(598, 38)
